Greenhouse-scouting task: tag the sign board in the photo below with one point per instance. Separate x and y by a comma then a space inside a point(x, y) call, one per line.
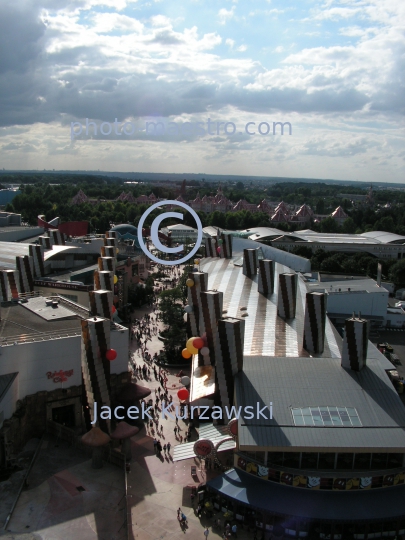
point(203, 448)
point(193, 470)
point(58, 285)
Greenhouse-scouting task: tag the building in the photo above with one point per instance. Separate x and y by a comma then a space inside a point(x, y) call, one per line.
point(58, 357)
point(326, 457)
point(277, 212)
point(382, 245)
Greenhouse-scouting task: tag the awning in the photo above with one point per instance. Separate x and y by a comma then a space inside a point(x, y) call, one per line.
point(272, 498)
point(216, 434)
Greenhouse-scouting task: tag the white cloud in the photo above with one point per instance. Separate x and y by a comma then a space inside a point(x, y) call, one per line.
point(230, 42)
point(225, 15)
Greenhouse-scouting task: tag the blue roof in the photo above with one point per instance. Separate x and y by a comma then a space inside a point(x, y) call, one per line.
point(126, 228)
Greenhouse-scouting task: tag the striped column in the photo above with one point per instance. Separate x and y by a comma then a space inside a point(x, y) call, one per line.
point(287, 295)
point(103, 280)
point(95, 366)
point(108, 251)
point(106, 263)
point(45, 242)
point(265, 284)
point(193, 297)
point(355, 343)
point(226, 248)
point(211, 311)
point(210, 247)
point(101, 303)
point(249, 262)
point(37, 254)
point(314, 323)
point(9, 285)
point(229, 359)
point(25, 267)
point(111, 239)
point(57, 238)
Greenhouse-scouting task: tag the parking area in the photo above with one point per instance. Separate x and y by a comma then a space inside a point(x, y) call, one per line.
point(396, 339)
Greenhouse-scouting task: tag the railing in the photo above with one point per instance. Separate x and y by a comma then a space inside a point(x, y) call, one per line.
point(43, 336)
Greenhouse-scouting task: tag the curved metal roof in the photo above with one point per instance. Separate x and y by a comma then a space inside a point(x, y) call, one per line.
point(385, 237)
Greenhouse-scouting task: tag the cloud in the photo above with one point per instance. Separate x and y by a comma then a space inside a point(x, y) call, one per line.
point(226, 15)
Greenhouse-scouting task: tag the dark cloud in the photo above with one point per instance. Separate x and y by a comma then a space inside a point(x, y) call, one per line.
point(78, 82)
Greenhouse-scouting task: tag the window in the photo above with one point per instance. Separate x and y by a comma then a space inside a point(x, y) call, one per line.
point(378, 461)
point(309, 460)
point(275, 458)
point(344, 462)
point(292, 460)
point(326, 416)
point(394, 461)
point(362, 461)
point(326, 460)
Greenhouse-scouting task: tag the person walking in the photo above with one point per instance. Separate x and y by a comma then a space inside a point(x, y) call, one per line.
point(234, 530)
point(168, 447)
point(206, 532)
point(155, 443)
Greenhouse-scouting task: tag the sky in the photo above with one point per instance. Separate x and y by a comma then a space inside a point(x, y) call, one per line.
point(202, 86)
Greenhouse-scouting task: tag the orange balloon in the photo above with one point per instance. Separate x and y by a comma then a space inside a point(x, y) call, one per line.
point(185, 353)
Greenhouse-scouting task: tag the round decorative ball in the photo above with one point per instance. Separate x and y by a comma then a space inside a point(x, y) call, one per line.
point(111, 354)
point(183, 394)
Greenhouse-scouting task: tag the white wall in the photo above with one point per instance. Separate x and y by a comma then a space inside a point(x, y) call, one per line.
point(34, 360)
point(119, 341)
point(368, 303)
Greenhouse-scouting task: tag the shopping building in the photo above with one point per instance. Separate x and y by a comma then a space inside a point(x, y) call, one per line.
point(329, 461)
point(58, 357)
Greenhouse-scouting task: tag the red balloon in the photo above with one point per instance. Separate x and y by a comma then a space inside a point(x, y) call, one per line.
point(111, 354)
point(198, 343)
point(183, 394)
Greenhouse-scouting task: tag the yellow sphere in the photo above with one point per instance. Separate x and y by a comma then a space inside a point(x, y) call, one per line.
point(185, 353)
point(115, 280)
point(190, 283)
point(190, 346)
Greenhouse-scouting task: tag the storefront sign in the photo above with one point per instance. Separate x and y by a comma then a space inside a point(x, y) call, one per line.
point(203, 448)
point(59, 376)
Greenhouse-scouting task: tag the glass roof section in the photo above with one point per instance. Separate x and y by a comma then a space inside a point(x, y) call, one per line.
point(326, 416)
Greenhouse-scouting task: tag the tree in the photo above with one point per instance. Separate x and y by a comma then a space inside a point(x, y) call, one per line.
point(349, 227)
point(329, 225)
point(397, 273)
point(172, 315)
point(320, 206)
